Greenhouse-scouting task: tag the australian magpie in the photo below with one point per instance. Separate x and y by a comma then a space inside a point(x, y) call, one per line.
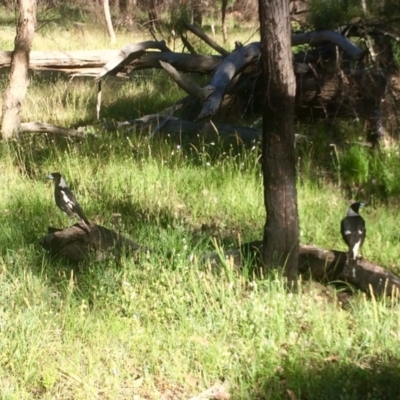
point(66, 200)
point(353, 229)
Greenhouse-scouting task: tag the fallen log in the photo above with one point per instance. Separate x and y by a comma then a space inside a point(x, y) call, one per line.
point(94, 60)
point(325, 266)
point(63, 60)
point(91, 62)
point(130, 53)
point(77, 242)
point(183, 129)
point(38, 127)
point(161, 124)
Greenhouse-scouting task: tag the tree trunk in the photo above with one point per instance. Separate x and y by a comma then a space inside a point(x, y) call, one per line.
point(153, 15)
point(123, 6)
point(224, 5)
point(281, 231)
point(197, 13)
point(19, 81)
point(110, 28)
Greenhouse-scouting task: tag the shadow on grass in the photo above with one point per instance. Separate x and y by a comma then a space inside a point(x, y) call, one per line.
point(332, 380)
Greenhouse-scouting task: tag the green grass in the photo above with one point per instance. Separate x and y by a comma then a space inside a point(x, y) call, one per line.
point(167, 325)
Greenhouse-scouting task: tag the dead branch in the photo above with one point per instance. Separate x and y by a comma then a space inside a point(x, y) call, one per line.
point(324, 266)
point(198, 32)
point(229, 67)
point(316, 37)
point(187, 44)
point(129, 53)
point(90, 62)
point(186, 84)
point(38, 127)
point(86, 62)
point(76, 243)
point(179, 128)
point(56, 60)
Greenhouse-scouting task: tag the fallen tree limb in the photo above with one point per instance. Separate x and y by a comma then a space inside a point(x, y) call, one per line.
point(316, 37)
point(186, 84)
point(129, 53)
point(183, 129)
point(198, 32)
point(76, 243)
point(84, 62)
point(38, 127)
point(230, 66)
point(325, 266)
point(189, 129)
point(93, 60)
point(57, 60)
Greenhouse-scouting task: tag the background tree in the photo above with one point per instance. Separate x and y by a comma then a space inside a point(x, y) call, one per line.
point(110, 28)
point(281, 231)
point(19, 81)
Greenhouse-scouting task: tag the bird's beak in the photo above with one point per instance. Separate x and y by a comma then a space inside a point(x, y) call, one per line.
point(363, 204)
point(50, 177)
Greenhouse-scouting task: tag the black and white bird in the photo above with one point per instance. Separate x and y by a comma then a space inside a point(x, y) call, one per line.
point(353, 229)
point(66, 200)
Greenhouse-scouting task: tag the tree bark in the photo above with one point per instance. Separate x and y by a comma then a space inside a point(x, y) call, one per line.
point(281, 231)
point(19, 81)
point(197, 12)
point(224, 5)
point(110, 28)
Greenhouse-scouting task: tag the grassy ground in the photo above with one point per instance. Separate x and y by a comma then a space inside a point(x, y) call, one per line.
point(168, 327)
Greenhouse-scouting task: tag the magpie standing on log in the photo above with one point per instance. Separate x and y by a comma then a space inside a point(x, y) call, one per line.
point(353, 229)
point(66, 200)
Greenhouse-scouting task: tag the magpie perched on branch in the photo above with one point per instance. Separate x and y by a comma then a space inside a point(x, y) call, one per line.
point(353, 229)
point(66, 200)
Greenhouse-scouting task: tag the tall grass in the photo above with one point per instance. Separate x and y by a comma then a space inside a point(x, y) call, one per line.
point(168, 326)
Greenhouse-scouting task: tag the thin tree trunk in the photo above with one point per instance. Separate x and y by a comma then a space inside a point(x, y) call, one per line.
point(197, 13)
point(281, 231)
point(110, 28)
point(153, 15)
point(19, 81)
point(224, 5)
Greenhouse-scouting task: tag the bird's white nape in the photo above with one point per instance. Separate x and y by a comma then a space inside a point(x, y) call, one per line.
point(62, 183)
point(352, 213)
